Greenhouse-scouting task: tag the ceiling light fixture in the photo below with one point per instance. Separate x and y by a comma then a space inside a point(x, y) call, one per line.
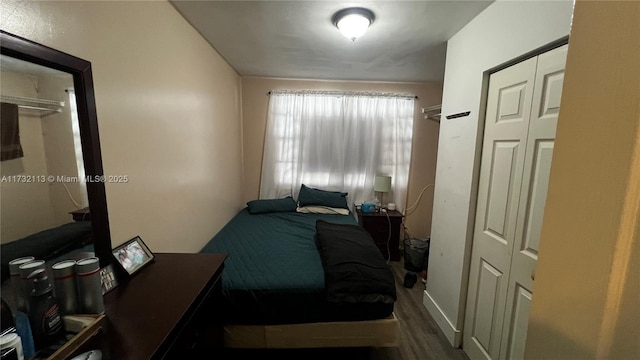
point(353, 22)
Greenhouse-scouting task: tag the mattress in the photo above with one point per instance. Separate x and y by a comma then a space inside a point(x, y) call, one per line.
point(274, 273)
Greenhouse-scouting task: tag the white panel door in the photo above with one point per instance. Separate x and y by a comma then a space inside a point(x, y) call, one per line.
point(537, 165)
point(503, 156)
point(514, 175)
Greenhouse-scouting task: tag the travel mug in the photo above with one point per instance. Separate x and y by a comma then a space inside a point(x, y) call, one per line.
point(19, 300)
point(89, 286)
point(27, 285)
point(64, 278)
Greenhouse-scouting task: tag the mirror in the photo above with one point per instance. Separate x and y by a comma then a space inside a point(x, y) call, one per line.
point(52, 194)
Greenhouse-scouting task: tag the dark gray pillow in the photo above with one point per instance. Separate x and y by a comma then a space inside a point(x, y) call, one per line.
point(311, 196)
point(265, 206)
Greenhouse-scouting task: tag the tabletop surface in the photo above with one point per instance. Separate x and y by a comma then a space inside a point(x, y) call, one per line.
point(143, 312)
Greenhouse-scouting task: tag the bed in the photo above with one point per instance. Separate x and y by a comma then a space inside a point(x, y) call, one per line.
point(279, 291)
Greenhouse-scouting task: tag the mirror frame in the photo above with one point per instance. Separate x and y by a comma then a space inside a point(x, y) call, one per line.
point(27, 50)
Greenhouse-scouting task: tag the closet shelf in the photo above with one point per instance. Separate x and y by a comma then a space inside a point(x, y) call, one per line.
point(48, 106)
point(432, 113)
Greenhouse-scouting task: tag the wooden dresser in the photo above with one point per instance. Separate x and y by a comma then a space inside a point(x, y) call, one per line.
point(167, 311)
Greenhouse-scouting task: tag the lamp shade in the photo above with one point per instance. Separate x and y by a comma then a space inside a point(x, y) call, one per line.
point(382, 184)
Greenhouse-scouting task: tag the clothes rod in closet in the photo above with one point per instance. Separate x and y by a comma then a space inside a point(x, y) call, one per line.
point(20, 101)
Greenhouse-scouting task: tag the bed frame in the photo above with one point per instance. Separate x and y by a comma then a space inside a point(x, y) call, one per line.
point(369, 333)
point(315, 333)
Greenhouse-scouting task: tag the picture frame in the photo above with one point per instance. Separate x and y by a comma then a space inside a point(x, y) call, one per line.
point(108, 279)
point(133, 255)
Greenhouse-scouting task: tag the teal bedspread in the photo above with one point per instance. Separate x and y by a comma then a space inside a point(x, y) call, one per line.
point(274, 273)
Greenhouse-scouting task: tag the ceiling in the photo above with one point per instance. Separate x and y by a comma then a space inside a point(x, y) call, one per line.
point(296, 39)
point(8, 63)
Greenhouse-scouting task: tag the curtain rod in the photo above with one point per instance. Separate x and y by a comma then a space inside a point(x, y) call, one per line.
point(341, 93)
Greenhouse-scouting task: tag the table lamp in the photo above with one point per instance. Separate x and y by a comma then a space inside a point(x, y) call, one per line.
point(382, 185)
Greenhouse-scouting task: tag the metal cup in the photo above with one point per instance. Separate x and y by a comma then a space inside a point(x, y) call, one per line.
point(27, 285)
point(89, 285)
point(19, 301)
point(64, 278)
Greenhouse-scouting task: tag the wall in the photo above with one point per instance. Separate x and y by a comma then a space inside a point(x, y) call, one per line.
point(503, 31)
point(425, 135)
point(168, 111)
point(26, 206)
point(587, 292)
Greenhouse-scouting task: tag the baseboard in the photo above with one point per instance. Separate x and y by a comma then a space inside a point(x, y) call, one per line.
point(453, 335)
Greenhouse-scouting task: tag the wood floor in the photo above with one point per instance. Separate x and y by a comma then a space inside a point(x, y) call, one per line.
point(420, 336)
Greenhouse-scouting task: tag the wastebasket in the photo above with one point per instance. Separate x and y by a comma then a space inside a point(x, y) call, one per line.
point(416, 254)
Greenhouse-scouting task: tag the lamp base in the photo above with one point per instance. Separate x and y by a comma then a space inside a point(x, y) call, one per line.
point(379, 202)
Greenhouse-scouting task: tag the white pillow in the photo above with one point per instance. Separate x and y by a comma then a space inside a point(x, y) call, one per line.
point(317, 209)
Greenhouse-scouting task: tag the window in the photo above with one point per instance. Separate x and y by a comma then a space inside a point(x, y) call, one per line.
point(337, 141)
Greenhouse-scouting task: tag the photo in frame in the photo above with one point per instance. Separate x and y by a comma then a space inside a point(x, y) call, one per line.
point(133, 255)
point(108, 279)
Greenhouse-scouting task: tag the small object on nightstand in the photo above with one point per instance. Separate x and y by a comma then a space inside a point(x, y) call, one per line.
point(382, 184)
point(368, 207)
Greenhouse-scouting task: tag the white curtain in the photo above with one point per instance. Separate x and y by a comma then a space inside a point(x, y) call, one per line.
point(77, 143)
point(339, 142)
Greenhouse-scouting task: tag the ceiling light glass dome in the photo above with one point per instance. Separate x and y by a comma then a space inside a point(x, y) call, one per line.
point(353, 22)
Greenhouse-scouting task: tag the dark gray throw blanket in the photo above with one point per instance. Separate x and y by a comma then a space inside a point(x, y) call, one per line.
point(355, 270)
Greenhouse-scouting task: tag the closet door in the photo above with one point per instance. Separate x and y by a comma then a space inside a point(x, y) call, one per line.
point(514, 175)
point(503, 155)
point(535, 180)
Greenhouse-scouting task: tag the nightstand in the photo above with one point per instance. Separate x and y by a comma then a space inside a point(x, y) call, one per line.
point(379, 227)
point(81, 214)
